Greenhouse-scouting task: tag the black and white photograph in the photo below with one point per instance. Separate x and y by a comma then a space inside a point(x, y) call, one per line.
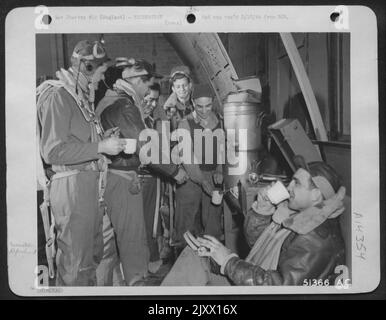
point(178, 162)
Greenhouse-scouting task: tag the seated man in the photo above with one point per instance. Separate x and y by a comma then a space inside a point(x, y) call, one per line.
point(298, 240)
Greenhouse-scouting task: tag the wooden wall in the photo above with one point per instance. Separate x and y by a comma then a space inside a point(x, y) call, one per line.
point(318, 57)
point(328, 70)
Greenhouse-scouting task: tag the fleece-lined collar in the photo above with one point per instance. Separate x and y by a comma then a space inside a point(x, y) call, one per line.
point(307, 220)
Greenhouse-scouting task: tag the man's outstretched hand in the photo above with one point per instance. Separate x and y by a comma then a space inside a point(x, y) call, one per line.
point(215, 249)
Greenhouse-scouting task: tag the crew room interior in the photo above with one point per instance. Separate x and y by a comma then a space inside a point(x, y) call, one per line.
point(291, 91)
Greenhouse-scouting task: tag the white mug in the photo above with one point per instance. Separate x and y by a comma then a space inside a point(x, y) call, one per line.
point(277, 193)
point(217, 197)
point(130, 146)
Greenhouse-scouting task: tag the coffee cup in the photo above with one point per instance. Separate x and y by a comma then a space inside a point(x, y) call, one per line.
point(277, 193)
point(130, 146)
point(217, 196)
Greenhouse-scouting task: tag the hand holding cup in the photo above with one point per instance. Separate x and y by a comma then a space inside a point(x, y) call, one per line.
point(277, 193)
point(130, 146)
point(111, 146)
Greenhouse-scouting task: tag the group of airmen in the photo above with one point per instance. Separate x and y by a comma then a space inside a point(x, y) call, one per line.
point(116, 215)
point(104, 201)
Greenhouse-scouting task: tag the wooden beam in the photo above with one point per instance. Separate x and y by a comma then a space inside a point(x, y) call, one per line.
point(305, 85)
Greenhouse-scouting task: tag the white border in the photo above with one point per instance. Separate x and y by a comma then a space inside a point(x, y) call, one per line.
point(20, 127)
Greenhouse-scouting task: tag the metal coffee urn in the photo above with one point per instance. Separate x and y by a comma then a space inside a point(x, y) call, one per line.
point(242, 110)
